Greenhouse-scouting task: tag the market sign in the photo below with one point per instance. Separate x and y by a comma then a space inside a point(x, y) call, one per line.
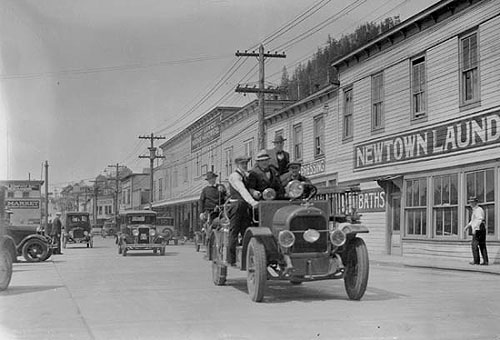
point(466, 134)
point(209, 132)
point(22, 204)
point(372, 200)
point(313, 168)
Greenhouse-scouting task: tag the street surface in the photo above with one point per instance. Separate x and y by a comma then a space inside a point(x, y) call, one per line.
point(98, 294)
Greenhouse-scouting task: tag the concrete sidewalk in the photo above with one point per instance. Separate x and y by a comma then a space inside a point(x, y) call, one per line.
point(433, 262)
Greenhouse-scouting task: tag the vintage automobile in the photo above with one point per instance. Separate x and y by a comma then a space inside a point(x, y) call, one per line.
point(76, 228)
point(138, 231)
point(297, 240)
point(166, 228)
point(109, 228)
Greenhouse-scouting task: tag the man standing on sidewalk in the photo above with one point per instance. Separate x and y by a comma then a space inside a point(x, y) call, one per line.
point(478, 232)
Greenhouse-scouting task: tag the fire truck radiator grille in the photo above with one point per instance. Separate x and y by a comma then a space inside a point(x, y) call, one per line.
point(300, 224)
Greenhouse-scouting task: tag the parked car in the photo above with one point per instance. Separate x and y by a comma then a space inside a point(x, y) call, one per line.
point(138, 231)
point(109, 228)
point(76, 229)
point(297, 241)
point(166, 228)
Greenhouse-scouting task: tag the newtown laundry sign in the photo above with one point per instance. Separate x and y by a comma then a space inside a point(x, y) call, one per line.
point(464, 134)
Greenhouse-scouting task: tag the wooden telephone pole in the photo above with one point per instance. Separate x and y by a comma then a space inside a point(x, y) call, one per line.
point(152, 156)
point(261, 90)
point(117, 179)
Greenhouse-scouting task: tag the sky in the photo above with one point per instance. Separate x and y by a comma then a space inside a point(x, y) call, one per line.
point(81, 80)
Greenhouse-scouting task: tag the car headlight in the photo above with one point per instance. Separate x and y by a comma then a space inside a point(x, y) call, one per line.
point(135, 232)
point(269, 194)
point(337, 237)
point(311, 235)
point(152, 232)
point(294, 189)
point(286, 238)
point(86, 233)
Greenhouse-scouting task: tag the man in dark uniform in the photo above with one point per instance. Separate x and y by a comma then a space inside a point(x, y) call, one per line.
point(55, 232)
point(293, 174)
point(212, 195)
point(279, 157)
point(239, 211)
point(263, 176)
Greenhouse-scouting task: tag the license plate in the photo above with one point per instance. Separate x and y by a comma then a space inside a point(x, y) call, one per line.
point(144, 237)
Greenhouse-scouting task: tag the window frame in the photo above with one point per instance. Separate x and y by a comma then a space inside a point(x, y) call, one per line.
point(452, 204)
point(464, 71)
point(249, 147)
point(409, 207)
point(487, 205)
point(319, 136)
point(228, 164)
point(347, 114)
point(377, 101)
point(298, 142)
point(422, 90)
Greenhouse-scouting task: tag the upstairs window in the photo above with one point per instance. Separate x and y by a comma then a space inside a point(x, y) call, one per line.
point(377, 101)
point(319, 136)
point(347, 130)
point(469, 69)
point(229, 161)
point(418, 85)
point(249, 151)
point(297, 142)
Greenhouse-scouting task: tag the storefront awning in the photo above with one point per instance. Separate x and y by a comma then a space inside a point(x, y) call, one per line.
point(397, 180)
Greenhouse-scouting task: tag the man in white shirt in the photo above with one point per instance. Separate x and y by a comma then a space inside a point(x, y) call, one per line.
point(478, 229)
point(241, 202)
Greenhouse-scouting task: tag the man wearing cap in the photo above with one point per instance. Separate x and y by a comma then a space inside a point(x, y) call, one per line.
point(293, 174)
point(212, 195)
point(263, 176)
point(55, 232)
point(240, 217)
point(279, 157)
point(478, 228)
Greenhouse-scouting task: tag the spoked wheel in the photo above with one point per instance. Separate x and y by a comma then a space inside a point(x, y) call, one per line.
point(357, 269)
point(35, 250)
point(219, 271)
point(5, 269)
point(256, 270)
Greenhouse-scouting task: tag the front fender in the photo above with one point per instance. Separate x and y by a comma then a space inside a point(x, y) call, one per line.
point(265, 236)
point(30, 237)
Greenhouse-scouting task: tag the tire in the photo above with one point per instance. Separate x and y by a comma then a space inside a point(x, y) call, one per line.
point(35, 250)
point(357, 269)
point(162, 251)
point(5, 269)
point(49, 254)
point(256, 270)
point(219, 271)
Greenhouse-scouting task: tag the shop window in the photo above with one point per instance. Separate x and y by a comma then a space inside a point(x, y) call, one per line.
point(348, 111)
point(445, 209)
point(377, 102)
point(319, 136)
point(26, 194)
point(297, 142)
point(418, 84)
point(416, 207)
point(469, 69)
point(481, 184)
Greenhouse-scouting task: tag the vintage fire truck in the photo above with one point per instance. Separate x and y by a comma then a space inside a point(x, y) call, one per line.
point(297, 240)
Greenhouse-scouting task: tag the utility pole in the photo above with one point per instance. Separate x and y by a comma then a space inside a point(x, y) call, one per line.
point(96, 193)
point(261, 90)
point(117, 165)
point(152, 156)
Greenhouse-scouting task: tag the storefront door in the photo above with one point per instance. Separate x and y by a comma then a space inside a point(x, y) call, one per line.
point(395, 225)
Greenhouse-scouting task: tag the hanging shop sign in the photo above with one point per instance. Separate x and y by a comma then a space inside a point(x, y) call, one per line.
point(462, 135)
point(207, 133)
point(313, 168)
point(372, 200)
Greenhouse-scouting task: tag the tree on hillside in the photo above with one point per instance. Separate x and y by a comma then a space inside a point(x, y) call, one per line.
point(317, 73)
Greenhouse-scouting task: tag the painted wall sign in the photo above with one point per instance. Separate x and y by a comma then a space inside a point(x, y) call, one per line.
point(465, 134)
point(209, 132)
point(371, 201)
point(22, 204)
point(313, 168)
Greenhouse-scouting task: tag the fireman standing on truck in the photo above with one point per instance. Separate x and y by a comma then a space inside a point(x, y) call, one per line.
point(240, 204)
